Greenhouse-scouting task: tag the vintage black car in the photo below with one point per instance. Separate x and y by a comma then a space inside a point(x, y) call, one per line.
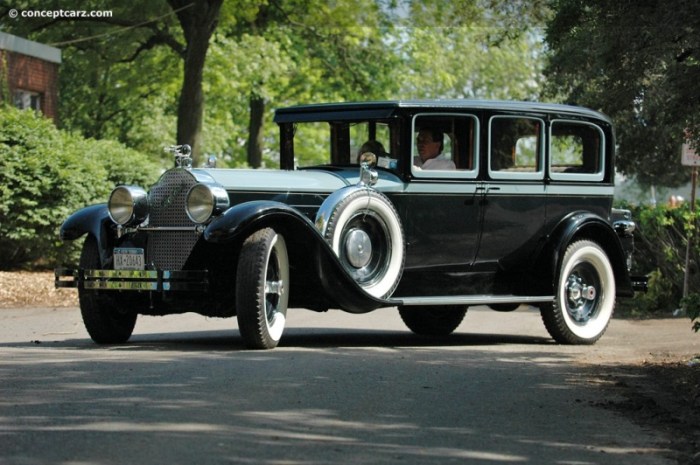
point(428, 206)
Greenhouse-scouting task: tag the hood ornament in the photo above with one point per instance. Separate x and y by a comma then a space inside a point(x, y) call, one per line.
point(182, 154)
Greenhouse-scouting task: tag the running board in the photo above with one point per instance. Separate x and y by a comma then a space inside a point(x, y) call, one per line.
point(472, 300)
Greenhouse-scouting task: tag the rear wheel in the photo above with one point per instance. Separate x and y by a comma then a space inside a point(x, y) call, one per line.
point(106, 320)
point(262, 289)
point(433, 320)
point(585, 296)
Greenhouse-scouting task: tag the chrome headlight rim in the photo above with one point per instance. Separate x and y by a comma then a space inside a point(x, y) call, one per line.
point(128, 205)
point(205, 201)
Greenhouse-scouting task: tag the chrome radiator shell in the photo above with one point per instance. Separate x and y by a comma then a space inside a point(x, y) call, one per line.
point(167, 249)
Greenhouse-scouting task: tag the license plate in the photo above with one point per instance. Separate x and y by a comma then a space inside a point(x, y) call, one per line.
point(128, 259)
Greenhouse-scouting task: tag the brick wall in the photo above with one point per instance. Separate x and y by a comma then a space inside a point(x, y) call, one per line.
point(35, 75)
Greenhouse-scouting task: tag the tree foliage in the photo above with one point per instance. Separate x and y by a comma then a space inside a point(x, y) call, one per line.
point(639, 62)
point(123, 78)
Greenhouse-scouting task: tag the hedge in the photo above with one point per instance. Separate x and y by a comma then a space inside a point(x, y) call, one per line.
point(45, 175)
point(661, 241)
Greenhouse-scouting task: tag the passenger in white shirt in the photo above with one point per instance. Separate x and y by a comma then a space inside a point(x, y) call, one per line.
point(430, 143)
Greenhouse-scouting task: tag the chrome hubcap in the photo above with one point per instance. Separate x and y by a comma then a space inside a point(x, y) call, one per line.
point(581, 298)
point(358, 248)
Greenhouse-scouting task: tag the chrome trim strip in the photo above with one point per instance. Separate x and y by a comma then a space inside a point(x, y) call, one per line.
point(194, 229)
point(471, 300)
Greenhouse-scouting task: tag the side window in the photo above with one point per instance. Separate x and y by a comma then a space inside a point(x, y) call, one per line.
point(515, 148)
point(311, 143)
point(576, 151)
point(445, 145)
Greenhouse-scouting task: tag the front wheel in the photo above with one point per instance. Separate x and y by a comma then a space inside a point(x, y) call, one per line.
point(585, 296)
point(262, 289)
point(432, 320)
point(106, 320)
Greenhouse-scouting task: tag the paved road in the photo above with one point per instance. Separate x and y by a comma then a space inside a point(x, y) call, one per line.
point(340, 389)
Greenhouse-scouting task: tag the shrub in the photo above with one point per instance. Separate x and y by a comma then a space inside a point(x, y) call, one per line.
point(45, 175)
point(661, 240)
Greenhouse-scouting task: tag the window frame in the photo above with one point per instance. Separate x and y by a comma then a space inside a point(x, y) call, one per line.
point(456, 173)
point(517, 175)
point(592, 177)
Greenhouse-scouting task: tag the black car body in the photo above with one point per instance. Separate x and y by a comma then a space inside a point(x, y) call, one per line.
point(519, 211)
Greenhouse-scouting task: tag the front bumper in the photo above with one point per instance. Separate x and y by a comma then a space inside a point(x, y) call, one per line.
point(127, 280)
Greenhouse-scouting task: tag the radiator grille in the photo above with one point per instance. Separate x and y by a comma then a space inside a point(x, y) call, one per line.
point(169, 250)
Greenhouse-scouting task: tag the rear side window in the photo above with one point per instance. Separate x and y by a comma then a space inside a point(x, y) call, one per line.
point(515, 148)
point(576, 151)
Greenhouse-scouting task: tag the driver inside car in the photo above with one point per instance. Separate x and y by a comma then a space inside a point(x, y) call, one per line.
point(429, 144)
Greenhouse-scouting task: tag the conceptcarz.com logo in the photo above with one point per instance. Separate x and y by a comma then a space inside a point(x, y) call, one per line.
point(53, 14)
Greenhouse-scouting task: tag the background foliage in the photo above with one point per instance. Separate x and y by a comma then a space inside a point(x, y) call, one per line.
point(661, 241)
point(45, 175)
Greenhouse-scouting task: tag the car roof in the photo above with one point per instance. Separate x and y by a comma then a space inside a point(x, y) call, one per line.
point(388, 108)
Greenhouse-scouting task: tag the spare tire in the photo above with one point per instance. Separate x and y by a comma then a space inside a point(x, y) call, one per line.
point(365, 232)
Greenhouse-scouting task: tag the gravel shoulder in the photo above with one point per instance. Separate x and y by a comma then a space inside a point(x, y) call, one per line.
point(33, 289)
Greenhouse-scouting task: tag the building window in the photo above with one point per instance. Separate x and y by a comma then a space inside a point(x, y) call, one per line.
point(24, 99)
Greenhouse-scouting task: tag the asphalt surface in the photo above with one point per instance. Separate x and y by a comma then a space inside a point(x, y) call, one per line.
point(341, 388)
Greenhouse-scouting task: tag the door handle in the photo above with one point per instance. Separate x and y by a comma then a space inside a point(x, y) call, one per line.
point(472, 199)
point(485, 198)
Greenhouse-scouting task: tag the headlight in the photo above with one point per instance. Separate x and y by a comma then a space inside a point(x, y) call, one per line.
point(204, 201)
point(128, 205)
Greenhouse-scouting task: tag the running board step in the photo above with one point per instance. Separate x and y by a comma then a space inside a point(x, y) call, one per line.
point(472, 300)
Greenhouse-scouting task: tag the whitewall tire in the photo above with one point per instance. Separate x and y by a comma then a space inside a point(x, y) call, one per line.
point(365, 232)
point(585, 295)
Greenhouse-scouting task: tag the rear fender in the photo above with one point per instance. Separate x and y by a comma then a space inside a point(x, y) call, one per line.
point(584, 225)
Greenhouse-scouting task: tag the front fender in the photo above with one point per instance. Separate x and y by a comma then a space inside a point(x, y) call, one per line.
point(92, 220)
point(244, 217)
point(312, 258)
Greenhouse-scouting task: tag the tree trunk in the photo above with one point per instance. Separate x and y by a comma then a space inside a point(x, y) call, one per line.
point(255, 131)
point(198, 23)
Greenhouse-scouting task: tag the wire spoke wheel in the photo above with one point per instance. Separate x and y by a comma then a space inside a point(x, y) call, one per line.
point(585, 296)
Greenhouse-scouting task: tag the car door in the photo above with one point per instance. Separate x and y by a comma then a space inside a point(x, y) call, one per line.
point(513, 196)
point(439, 208)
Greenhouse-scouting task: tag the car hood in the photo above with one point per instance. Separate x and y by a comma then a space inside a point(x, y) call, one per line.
point(308, 180)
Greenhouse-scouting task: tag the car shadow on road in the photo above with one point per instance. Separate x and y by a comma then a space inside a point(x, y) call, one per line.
point(315, 338)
